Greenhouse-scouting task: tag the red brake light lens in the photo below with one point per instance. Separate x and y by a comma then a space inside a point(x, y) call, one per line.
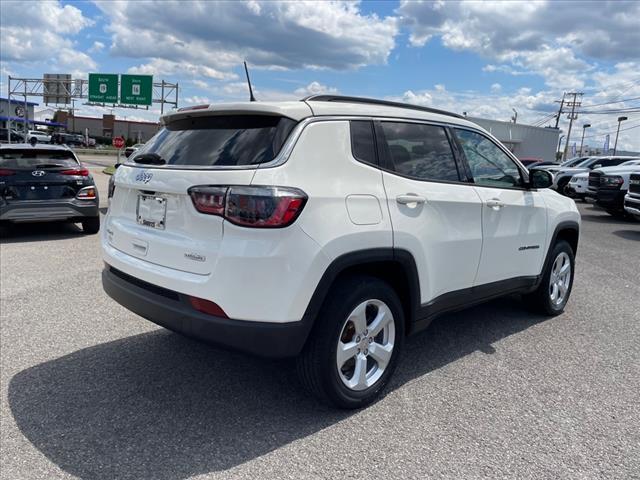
point(5, 172)
point(256, 207)
point(81, 172)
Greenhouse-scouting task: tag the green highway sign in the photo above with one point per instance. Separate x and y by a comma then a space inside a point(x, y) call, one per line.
point(103, 87)
point(136, 89)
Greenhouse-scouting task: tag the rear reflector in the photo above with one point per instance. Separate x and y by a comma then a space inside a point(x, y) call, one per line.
point(255, 207)
point(81, 172)
point(207, 306)
point(4, 172)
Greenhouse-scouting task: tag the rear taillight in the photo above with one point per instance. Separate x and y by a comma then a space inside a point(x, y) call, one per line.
point(5, 172)
point(87, 193)
point(80, 172)
point(256, 207)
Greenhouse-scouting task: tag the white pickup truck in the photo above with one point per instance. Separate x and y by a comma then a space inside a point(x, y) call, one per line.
point(632, 198)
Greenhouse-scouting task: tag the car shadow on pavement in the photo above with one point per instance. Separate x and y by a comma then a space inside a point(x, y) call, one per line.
point(628, 234)
point(160, 406)
point(37, 232)
point(606, 218)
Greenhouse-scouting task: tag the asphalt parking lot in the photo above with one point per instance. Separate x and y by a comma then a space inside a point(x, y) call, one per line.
point(92, 391)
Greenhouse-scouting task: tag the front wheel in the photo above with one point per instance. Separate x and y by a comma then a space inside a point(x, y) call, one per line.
point(355, 343)
point(554, 290)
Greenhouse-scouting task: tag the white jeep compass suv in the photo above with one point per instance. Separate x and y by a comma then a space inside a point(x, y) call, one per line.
point(328, 229)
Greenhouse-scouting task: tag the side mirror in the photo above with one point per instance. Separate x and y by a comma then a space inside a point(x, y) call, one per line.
point(117, 166)
point(596, 166)
point(540, 179)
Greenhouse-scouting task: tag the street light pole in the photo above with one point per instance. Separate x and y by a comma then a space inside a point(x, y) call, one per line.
point(615, 145)
point(584, 127)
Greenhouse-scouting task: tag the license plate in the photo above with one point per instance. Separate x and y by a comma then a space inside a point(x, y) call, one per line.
point(152, 211)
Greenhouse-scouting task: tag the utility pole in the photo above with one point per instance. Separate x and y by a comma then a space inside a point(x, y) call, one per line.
point(572, 116)
point(560, 109)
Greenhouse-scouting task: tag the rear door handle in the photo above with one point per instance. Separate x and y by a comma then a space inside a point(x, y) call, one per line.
point(410, 198)
point(495, 204)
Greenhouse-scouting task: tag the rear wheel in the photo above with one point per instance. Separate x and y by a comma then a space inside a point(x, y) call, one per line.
point(91, 225)
point(354, 346)
point(554, 290)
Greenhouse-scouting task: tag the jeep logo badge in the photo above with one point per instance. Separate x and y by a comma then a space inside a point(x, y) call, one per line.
point(144, 176)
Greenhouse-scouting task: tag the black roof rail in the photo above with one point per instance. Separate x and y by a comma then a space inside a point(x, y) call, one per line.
point(374, 101)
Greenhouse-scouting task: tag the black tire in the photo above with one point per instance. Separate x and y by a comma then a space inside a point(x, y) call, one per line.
point(316, 365)
point(91, 225)
point(540, 299)
point(562, 184)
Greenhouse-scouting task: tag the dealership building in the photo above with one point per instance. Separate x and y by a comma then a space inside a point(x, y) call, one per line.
point(525, 141)
point(109, 126)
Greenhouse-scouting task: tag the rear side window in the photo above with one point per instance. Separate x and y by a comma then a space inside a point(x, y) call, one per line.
point(36, 158)
point(420, 151)
point(229, 140)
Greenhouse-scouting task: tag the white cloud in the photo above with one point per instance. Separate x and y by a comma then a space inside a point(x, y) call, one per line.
point(551, 39)
point(496, 87)
point(96, 47)
point(197, 100)
point(314, 88)
point(159, 66)
point(270, 35)
point(43, 39)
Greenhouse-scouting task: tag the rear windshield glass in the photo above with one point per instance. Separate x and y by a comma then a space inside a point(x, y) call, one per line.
point(222, 140)
point(36, 158)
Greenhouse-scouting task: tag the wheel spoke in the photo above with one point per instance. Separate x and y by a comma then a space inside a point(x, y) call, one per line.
point(382, 320)
point(381, 353)
point(359, 317)
point(359, 379)
point(565, 268)
point(554, 292)
point(345, 352)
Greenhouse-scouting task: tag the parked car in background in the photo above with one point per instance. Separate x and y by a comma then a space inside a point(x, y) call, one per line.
point(132, 149)
point(526, 161)
point(39, 136)
point(47, 183)
point(563, 176)
point(632, 198)
point(608, 186)
point(230, 226)
point(572, 162)
point(577, 187)
point(541, 165)
point(15, 136)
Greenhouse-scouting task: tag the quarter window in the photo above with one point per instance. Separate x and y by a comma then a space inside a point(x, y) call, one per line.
point(362, 142)
point(420, 151)
point(489, 165)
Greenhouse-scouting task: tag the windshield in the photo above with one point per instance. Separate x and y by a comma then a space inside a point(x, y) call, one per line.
point(36, 158)
point(585, 163)
point(228, 140)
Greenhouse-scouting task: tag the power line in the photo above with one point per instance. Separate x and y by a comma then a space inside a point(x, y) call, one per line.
point(610, 103)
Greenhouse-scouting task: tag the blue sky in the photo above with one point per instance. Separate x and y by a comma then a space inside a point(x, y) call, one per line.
point(483, 58)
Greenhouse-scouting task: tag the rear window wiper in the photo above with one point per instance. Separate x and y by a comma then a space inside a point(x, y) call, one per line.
point(149, 159)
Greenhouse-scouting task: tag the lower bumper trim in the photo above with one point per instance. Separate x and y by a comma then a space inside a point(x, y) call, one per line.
point(172, 310)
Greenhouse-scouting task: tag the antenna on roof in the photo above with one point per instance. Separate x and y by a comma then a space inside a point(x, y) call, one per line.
point(251, 97)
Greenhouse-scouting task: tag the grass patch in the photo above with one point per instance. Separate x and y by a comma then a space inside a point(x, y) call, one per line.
point(109, 170)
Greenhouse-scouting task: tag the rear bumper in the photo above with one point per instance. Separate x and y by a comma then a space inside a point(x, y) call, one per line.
point(45, 210)
point(172, 310)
